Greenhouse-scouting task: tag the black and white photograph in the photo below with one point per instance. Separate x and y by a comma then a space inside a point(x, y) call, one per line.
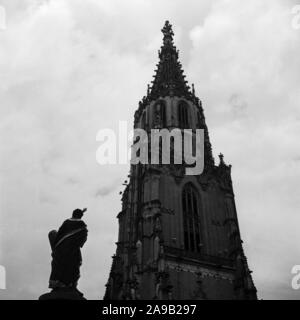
point(149, 150)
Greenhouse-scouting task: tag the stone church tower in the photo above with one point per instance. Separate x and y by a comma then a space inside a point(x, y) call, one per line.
point(179, 236)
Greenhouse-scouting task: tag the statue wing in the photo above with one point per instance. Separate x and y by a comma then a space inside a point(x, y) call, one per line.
point(52, 237)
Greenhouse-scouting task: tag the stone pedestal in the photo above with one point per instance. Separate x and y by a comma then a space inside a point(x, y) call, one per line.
point(63, 294)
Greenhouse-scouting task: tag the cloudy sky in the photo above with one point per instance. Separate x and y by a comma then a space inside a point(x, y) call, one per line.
point(69, 68)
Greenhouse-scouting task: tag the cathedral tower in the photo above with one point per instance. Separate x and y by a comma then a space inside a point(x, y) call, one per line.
point(178, 234)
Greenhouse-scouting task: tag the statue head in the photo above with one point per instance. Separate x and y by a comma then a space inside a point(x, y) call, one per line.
point(78, 213)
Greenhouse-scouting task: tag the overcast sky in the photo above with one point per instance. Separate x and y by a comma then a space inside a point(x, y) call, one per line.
point(71, 68)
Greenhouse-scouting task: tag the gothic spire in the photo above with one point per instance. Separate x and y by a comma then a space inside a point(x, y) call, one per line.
point(169, 78)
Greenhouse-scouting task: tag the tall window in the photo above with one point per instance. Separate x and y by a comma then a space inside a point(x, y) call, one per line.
point(191, 219)
point(183, 115)
point(160, 116)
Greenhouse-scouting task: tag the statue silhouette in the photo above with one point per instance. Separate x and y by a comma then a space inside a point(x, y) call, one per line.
point(66, 256)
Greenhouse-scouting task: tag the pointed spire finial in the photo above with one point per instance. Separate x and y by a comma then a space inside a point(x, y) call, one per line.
point(221, 156)
point(169, 78)
point(167, 32)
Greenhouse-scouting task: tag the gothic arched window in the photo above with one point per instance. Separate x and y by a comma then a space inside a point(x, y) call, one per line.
point(191, 218)
point(183, 115)
point(160, 116)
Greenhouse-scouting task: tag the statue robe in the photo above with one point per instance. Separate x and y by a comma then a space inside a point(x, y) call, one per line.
point(66, 254)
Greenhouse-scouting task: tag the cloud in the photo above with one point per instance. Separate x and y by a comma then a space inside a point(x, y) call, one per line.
point(71, 68)
point(104, 191)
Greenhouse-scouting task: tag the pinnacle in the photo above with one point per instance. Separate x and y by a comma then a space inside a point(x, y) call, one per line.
point(169, 78)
